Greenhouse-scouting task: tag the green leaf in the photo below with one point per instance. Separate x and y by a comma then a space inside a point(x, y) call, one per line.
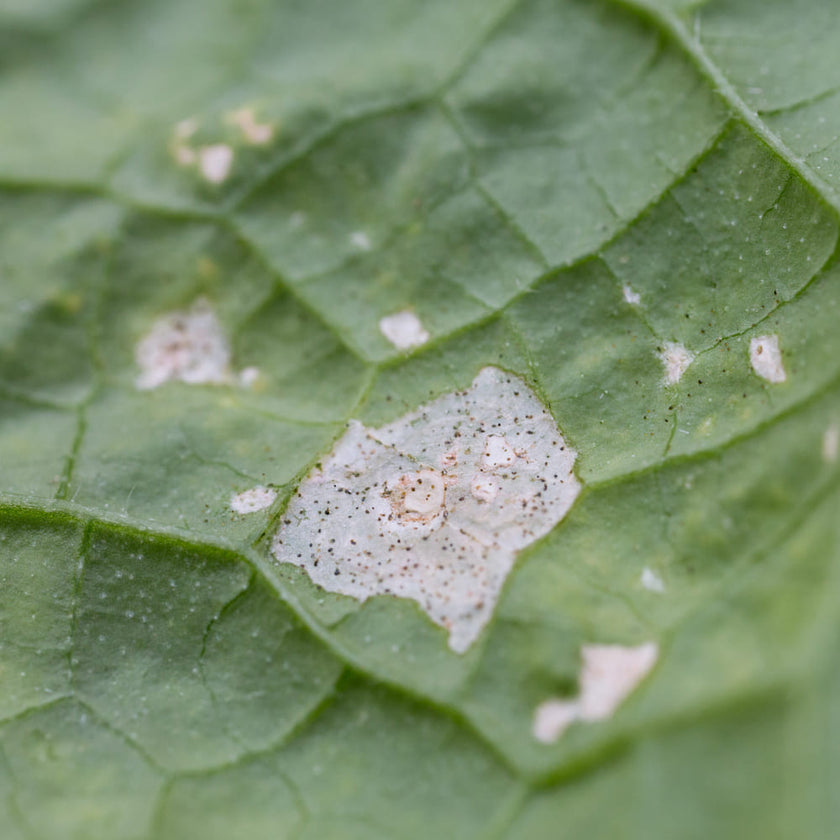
point(207, 209)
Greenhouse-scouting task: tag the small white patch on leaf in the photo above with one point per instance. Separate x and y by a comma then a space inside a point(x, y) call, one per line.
point(403, 330)
point(184, 153)
point(249, 376)
point(675, 359)
point(552, 718)
point(187, 345)
point(250, 501)
point(633, 298)
point(253, 132)
point(215, 162)
point(830, 442)
point(766, 358)
point(415, 510)
point(609, 675)
point(185, 129)
point(651, 581)
point(359, 239)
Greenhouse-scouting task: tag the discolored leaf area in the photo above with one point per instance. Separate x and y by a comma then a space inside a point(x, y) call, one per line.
point(621, 204)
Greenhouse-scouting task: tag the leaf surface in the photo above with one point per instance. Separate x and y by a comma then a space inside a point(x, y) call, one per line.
point(571, 191)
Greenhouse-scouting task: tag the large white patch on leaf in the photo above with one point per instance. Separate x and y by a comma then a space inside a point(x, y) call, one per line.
point(436, 505)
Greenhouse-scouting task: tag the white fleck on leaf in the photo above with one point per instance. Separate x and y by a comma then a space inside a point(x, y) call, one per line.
point(253, 132)
point(552, 718)
point(609, 675)
point(633, 298)
point(766, 358)
point(187, 345)
point(675, 359)
point(830, 441)
point(403, 330)
point(249, 376)
point(186, 128)
point(250, 501)
point(414, 509)
point(184, 154)
point(651, 581)
point(359, 239)
point(215, 162)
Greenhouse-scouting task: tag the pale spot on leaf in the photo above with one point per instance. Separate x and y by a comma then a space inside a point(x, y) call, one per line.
point(484, 489)
point(249, 376)
point(181, 150)
point(403, 330)
point(497, 453)
point(215, 162)
point(253, 132)
point(766, 358)
point(185, 129)
point(675, 360)
point(187, 345)
point(250, 501)
point(609, 675)
point(359, 239)
point(830, 441)
point(552, 718)
point(651, 581)
point(384, 516)
point(185, 155)
point(417, 497)
point(633, 298)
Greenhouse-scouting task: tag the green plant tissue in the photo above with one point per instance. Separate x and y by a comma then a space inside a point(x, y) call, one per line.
point(419, 419)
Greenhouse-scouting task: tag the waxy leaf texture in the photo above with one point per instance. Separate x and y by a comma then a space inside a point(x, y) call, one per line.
point(231, 230)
